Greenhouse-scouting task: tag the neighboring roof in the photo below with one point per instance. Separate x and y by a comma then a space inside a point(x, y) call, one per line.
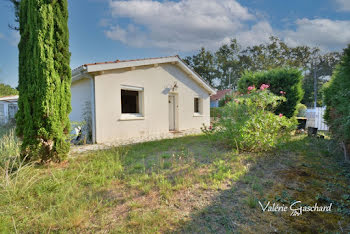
point(219, 94)
point(79, 72)
point(9, 98)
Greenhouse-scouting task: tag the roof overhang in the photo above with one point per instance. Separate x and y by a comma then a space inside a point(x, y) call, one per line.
point(13, 98)
point(87, 69)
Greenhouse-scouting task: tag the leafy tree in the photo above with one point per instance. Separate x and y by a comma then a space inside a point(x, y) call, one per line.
point(337, 99)
point(274, 54)
point(282, 82)
point(44, 79)
point(227, 65)
point(321, 68)
point(204, 64)
point(7, 90)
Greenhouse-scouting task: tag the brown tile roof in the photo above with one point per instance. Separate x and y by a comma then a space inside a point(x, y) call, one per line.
point(219, 94)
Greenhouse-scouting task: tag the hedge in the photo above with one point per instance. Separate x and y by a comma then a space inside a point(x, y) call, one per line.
point(337, 100)
point(282, 81)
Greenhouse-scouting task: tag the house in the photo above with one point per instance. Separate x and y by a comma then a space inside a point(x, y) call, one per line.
point(8, 108)
point(220, 94)
point(141, 98)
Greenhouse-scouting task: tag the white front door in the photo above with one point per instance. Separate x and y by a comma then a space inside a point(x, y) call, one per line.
point(171, 112)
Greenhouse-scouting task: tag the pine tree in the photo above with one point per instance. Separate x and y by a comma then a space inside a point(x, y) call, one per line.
point(44, 79)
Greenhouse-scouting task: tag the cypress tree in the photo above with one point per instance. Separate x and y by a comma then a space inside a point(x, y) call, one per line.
point(44, 80)
point(337, 99)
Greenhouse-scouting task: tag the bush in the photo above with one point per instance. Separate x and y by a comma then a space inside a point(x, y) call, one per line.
point(214, 112)
point(283, 82)
point(223, 101)
point(337, 100)
point(249, 124)
point(300, 110)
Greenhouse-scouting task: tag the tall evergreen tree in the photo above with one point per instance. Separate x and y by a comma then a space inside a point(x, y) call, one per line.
point(337, 100)
point(44, 79)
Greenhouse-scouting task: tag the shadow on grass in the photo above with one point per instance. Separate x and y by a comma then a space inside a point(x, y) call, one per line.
point(305, 169)
point(186, 184)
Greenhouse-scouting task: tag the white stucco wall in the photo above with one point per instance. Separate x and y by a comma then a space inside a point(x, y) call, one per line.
point(4, 105)
point(156, 82)
point(81, 94)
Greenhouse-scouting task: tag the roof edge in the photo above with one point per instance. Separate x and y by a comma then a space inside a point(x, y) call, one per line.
point(79, 72)
point(10, 97)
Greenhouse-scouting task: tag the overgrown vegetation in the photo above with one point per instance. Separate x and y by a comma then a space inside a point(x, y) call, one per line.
point(9, 144)
point(282, 81)
point(180, 185)
point(337, 99)
point(227, 65)
point(44, 80)
point(248, 122)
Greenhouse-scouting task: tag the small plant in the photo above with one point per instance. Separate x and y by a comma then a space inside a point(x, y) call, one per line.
point(82, 131)
point(251, 201)
point(222, 171)
point(248, 122)
point(9, 145)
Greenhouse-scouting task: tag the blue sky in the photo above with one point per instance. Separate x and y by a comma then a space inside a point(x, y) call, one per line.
point(105, 30)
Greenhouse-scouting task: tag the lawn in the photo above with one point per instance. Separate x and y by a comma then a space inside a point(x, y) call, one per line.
point(188, 184)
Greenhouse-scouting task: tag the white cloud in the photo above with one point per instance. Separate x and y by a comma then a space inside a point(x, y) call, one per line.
point(2, 36)
point(183, 25)
point(343, 5)
point(324, 33)
point(187, 25)
point(259, 33)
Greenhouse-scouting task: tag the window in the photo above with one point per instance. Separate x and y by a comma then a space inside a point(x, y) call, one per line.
point(196, 105)
point(2, 111)
point(130, 102)
point(2, 114)
point(12, 110)
point(132, 105)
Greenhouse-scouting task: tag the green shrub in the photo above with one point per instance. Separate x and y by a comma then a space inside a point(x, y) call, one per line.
point(300, 110)
point(283, 82)
point(337, 100)
point(214, 112)
point(248, 122)
point(224, 100)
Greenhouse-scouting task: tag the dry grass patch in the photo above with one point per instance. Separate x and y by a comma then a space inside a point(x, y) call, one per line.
point(181, 185)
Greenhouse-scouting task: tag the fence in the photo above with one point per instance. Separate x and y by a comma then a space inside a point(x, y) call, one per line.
point(315, 118)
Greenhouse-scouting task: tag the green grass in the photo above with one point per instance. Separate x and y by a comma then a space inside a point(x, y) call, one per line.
point(179, 185)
